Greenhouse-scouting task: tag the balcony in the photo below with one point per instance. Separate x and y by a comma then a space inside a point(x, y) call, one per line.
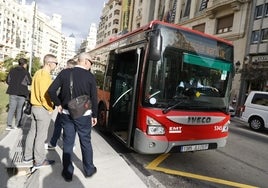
point(218, 5)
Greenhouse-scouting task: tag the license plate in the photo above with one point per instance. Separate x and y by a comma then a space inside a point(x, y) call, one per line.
point(194, 147)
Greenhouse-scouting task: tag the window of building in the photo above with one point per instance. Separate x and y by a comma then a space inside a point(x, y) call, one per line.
point(264, 35)
point(258, 11)
point(255, 36)
point(116, 12)
point(187, 8)
point(200, 27)
point(115, 22)
point(203, 5)
point(266, 9)
point(225, 24)
point(114, 31)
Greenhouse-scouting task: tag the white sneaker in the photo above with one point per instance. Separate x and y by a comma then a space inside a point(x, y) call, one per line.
point(9, 128)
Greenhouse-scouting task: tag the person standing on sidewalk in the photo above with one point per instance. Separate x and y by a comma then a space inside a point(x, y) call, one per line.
point(84, 83)
point(42, 109)
point(18, 81)
point(58, 124)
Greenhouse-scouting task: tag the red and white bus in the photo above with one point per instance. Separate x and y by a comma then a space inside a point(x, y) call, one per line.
point(145, 101)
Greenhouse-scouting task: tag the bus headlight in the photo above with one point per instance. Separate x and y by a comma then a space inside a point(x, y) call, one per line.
point(154, 127)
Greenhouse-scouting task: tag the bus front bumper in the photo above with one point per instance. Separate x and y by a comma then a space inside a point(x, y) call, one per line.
point(148, 145)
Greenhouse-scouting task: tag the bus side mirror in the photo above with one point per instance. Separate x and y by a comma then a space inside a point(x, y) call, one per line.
point(155, 45)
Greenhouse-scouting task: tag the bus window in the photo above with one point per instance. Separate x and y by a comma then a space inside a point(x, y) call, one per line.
point(182, 74)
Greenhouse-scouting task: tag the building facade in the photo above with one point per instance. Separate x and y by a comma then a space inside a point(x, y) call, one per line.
point(15, 28)
point(23, 28)
point(109, 25)
point(90, 42)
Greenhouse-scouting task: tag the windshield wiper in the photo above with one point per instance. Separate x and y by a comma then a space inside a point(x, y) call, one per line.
point(166, 110)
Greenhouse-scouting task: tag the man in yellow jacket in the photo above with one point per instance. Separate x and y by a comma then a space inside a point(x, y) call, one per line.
point(42, 109)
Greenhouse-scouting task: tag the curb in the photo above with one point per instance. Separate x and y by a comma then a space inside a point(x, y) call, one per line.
point(239, 120)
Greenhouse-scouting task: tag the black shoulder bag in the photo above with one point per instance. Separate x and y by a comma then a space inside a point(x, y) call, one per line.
point(79, 105)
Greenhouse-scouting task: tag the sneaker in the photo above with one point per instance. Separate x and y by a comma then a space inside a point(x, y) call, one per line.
point(26, 161)
point(46, 163)
point(9, 128)
point(50, 147)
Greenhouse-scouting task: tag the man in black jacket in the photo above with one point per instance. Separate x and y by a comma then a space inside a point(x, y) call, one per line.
point(18, 80)
point(84, 83)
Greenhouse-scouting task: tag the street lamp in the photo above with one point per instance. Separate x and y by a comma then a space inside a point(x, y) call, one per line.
point(32, 40)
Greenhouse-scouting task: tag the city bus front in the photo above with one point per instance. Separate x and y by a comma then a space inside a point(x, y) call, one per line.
point(185, 93)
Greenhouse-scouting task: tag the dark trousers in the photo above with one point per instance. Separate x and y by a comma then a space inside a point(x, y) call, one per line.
point(82, 126)
point(57, 130)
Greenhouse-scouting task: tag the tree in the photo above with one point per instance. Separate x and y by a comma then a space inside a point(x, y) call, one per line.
point(8, 64)
point(3, 76)
point(36, 65)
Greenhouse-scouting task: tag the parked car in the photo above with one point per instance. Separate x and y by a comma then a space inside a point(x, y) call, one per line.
point(255, 110)
point(231, 111)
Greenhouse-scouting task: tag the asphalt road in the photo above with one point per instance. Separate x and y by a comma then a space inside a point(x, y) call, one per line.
point(241, 163)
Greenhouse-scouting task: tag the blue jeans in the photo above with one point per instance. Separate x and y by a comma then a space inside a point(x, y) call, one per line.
point(57, 130)
point(15, 106)
point(82, 126)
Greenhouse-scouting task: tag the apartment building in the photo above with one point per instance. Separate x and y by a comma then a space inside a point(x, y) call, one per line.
point(68, 48)
point(23, 28)
point(109, 25)
point(254, 67)
point(90, 42)
point(15, 28)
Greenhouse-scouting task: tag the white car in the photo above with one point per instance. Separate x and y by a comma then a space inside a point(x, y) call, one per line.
point(255, 110)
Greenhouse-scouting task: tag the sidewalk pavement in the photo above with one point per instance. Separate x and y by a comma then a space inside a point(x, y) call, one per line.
point(112, 170)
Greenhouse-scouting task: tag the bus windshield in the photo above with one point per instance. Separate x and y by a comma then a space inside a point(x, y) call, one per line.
point(194, 72)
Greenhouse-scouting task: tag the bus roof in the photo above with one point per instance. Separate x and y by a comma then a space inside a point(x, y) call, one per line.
point(191, 31)
point(157, 22)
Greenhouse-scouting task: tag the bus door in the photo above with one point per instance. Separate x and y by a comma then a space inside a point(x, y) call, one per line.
point(123, 94)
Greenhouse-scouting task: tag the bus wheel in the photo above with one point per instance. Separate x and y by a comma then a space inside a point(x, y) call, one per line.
point(256, 123)
point(101, 124)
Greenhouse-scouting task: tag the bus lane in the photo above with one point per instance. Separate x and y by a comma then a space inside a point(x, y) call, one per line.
point(155, 165)
point(241, 163)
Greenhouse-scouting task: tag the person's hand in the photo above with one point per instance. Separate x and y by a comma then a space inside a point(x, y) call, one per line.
point(60, 109)
point(93, 121)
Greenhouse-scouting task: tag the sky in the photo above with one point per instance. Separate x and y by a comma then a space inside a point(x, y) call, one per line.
point(77, 15)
